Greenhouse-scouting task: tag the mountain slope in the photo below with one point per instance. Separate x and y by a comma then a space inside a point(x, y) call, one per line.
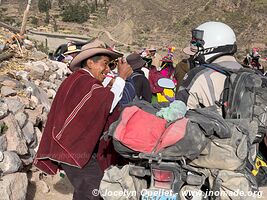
point(169, 22)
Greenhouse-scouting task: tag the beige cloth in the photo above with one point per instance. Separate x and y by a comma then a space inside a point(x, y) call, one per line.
point(156, 60)
point(201, 93)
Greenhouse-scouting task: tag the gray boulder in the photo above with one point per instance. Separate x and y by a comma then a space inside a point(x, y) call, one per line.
point(52, 78)
point(3, 142)
point(40, 94)
point(37, 69)
point(7, 91)
point(14, 136)
point(38, 55)
point(28, 158)
point(35, 115)
point(51, 93)
point(3, 109)
point(28, 132)
point(10, 162)
point(23, 75)
point(10, 83)
point(14, 105)
point(14, 186)
point(21, 117)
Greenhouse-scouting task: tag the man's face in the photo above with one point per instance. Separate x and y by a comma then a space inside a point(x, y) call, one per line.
point(100, 68)
point(152, 52)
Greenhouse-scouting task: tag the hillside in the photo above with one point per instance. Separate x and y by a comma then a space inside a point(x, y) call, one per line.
point(170, 22)
point(140, 23)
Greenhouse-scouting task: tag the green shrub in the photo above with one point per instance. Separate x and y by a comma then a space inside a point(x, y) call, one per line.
point(42, 46)
point(34, 20)
point(3, 128)
point(44, 5)
point(93, 8)
point(75, 12)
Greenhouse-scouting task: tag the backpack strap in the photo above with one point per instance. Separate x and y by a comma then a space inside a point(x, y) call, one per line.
point(217, 184)
point(223, 102)
point(135, 74)
point(210, 86)
point(218, 68)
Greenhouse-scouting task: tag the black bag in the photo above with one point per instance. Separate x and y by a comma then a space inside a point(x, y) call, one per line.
point(244, 96)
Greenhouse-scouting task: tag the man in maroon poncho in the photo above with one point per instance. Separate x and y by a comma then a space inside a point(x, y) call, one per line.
point(77, 118)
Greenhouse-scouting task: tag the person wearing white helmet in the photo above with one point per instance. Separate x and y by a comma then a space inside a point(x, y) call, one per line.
point(212, 42)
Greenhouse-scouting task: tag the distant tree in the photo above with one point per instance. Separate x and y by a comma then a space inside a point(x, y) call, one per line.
point(96, 4)
point(44, 6)
point(75, 11)
point(60, 3)
point(55, 26)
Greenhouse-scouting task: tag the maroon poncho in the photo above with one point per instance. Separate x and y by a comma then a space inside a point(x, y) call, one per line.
point(75, 122)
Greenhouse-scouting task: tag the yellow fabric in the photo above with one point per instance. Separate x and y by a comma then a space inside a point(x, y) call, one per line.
point(259, 163)
point(167, 92)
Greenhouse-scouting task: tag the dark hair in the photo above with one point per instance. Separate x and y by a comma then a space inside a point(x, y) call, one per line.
point(94, 58)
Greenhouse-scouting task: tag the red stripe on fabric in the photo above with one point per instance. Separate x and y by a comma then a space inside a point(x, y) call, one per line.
point(77, 109)
point(86, 97)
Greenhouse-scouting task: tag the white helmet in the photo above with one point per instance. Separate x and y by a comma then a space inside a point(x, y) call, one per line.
point(217, 39)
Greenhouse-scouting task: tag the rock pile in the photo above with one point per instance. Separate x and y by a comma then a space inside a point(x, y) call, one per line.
point(28, 84)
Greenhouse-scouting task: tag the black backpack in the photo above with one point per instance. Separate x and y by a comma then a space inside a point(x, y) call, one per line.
point(244, 96)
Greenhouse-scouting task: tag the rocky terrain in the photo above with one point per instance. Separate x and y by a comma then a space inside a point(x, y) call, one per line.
point(29, 80)
point(28, 84)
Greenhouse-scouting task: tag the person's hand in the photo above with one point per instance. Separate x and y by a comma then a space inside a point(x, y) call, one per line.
point(124, 69)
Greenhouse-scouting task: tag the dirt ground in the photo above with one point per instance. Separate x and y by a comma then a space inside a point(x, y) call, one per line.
point(264, 193)
point(58, 188)
point(49, 187)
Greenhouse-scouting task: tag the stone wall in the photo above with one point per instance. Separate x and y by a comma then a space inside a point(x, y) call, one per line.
point(28, 84)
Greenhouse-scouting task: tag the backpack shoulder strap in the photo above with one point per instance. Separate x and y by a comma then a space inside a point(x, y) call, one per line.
point(224, 97)
point(218, 68)
point(135, 74)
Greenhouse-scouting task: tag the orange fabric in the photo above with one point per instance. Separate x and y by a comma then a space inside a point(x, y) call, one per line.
point(142, 131)
point(173, 133)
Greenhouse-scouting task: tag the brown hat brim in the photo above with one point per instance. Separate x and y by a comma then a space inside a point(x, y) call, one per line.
point(138, 65)
point(188, 51)
point(88, 53)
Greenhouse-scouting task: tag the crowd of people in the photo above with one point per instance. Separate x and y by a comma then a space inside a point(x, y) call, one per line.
point(103, 82)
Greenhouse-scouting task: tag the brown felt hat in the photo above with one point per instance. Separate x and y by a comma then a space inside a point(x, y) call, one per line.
point(190, 50)
point(91, 49)
point(135, 61)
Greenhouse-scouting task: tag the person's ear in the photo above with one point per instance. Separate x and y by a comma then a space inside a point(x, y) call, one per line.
point(89, 63)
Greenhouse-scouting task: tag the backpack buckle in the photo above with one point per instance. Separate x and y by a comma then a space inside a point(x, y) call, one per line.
point(219, 103)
